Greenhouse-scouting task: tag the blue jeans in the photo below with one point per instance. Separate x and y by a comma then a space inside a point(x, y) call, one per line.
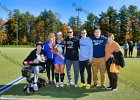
point(36, 70)
point(76, 70)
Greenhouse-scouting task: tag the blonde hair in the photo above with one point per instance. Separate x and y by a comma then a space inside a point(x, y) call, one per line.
point(51, 35)
point(111, 35)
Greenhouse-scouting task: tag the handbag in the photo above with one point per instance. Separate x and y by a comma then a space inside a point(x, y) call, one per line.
point(114, 68)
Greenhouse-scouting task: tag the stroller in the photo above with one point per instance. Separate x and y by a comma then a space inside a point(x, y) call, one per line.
point(28, 88)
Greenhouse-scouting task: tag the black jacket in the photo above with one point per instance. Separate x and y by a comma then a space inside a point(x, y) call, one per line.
point(118, 59)
point(32, 56)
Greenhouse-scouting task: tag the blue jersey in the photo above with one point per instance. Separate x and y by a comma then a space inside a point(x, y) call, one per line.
point(57, 59)
point(47, 47)
point(138, 47)
point(98, 46)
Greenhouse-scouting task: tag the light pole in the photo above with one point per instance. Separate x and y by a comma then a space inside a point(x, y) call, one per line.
point(78, 9)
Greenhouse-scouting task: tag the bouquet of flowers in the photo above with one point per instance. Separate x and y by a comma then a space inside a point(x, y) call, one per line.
point(57, 49)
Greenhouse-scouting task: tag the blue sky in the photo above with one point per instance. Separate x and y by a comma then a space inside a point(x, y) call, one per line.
point(64, 7)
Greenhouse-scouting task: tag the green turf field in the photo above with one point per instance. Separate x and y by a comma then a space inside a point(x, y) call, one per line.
point(128, 88)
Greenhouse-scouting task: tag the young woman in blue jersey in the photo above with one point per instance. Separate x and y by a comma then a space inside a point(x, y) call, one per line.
point(59, 60)
point(49, 63)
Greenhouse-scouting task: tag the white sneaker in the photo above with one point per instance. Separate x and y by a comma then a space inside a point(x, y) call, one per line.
point(70, 83)
point(76, 85)
point(57, 84)
point(113, 90)
point(35, 87)
point(61, 84)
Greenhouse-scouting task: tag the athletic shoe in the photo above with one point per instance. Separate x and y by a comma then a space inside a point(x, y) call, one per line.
point(76, 85)
point(61, 84)
point(109, 88)
point(53, 83)
point(70, 83)
point(81, 85)
point(49, 82)
point(114, 89)
point(88, 86)
point(57, 84)
point(35, 87)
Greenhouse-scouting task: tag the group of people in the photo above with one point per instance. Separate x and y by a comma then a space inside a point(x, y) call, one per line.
point(95, 53)
point(130, 46)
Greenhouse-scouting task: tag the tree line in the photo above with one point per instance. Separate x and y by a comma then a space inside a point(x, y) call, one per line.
point(123, 23)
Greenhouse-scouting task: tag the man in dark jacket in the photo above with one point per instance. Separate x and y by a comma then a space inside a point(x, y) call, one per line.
point(36, 59)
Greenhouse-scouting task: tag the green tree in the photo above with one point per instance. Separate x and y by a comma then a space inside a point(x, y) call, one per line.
point(91, 22)
point(104, 23)
point(112, 16)
point(133, 15)
point(11, 30)
point(123, 22)
point(75, 24)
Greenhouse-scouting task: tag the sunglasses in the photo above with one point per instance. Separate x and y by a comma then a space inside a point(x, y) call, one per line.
point(69, 32)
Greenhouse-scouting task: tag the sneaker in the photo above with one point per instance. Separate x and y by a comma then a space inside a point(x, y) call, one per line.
point(103, 87)
point(109, 88)
point(35, 87)
point(88, 86)
point(61, 84)
point(115, 89)
point(69, 83)
point(49, 82)
point(76, 85)
point(81, 85)
point(53, 83)
point(57, 84)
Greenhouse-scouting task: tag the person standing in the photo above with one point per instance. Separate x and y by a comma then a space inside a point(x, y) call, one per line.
point(72, 57)
point(131, 46)
point(126, 47)
point(138, 49)
point(85, 58)
point(59, 59)
point(49, 63)
point(98, 61)
point(110, 48)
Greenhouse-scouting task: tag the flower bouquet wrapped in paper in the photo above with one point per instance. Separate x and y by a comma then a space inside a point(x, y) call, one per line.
point(57, 49)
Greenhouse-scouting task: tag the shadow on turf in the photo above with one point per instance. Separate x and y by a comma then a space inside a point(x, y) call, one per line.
point(52, 91)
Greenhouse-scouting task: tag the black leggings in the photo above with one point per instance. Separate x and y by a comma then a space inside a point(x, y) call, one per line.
point(50, 66)
point(130, 52)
